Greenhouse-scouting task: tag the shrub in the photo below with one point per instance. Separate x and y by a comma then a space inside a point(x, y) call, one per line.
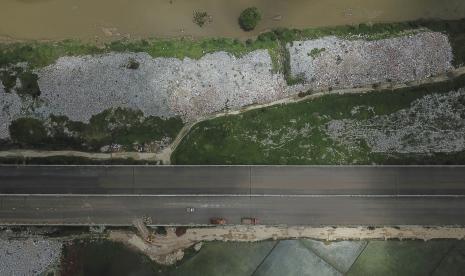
point(132, 64)
point(29, 85)
point(28, 131)
point(249, 18)
point(201, 18)
point(8, 80)
point(315, 52)
point(269, 36)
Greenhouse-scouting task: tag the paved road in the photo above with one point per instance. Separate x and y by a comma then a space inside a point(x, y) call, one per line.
point(277, 195)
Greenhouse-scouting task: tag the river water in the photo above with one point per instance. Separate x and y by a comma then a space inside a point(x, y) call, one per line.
point(110, 19)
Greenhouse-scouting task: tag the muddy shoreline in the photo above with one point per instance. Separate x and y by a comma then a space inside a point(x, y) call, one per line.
point(106, 19)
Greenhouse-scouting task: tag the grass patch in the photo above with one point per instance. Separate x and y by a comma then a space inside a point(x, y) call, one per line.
point(401, 257)
point(286, 68)
point(103, 257)
point(29, 85)
point(315, 52)
point(126, 127)
point(71, 160)
point(295, 133)
point(182, 48)
point(40, 54)
point(226, 258)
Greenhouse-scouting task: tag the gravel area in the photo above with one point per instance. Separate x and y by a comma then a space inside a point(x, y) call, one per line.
point(337, 63)
point(29, 256)
point(434, 123)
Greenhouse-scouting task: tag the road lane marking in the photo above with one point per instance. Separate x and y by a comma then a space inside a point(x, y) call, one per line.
point(241, 195)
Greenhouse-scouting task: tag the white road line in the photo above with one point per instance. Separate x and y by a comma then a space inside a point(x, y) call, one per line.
point(232, 166)
point(238, 195)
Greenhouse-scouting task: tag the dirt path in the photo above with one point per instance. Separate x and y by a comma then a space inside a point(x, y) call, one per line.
point(164, 156)
point(95, 156)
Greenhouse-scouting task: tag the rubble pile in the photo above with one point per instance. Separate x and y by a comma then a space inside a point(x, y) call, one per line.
point(434, 123)
point(341, 63)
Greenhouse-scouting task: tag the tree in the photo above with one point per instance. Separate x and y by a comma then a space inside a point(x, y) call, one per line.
point(28, 131)
point(249, 18)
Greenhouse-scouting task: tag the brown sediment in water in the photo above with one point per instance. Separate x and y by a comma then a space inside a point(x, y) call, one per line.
point(113, 19)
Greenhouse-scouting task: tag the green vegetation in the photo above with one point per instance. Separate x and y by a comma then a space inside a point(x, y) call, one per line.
point(392, 257)
point(226, 258)
point(133, 64)
point(40, 54)
point(201, 18)
point(286, 68)
point(29, 85)
point(183, 47)
point(27, 80)
point(121, 126)
point(315, 52)
point(102, 257)
point(296, 133)
point(71, 160)
point(249, 18)
point(401, 257)
point(8, 79)
point(28, 131)
point(455, 29)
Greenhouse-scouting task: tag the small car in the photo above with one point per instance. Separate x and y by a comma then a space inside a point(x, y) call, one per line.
point(190, 209)
point(217, 221)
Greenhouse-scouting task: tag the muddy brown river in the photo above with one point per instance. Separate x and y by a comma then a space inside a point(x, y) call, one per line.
point(105, 19)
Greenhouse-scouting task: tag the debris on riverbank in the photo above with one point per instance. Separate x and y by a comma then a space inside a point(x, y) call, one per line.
point(30, 256)
point(337, 63)
point(168, 87)
point(434, 123)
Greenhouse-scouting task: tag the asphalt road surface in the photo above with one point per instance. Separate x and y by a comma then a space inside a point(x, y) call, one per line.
point(293, 195)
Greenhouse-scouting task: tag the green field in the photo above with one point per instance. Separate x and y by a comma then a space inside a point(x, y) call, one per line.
point(296, 133)
point(126, 127)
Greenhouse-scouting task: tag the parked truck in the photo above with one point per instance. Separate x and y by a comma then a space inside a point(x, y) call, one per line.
point(218, 221)
point(249, 221)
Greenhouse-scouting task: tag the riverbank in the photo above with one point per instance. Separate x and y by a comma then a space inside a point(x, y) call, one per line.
point(150, 93)
point(109, 20)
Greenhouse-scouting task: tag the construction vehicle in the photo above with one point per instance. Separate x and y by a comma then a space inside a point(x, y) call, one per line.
point(249, 221)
